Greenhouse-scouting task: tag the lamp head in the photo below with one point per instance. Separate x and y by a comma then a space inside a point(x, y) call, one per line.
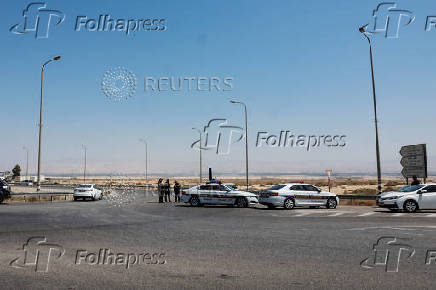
point(57, 57)
point(362, 29)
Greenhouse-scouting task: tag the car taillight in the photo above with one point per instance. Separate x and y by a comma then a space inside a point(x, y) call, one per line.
point(183, 192)
point(274, 194)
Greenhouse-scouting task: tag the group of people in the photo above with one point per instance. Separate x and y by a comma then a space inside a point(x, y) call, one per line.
point(164, 190)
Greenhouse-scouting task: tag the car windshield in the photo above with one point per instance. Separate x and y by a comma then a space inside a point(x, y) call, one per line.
point(410, 188)
point(276, 187)
point(85, 185)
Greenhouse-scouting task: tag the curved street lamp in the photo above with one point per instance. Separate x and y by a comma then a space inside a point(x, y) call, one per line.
point(40, 122)
point(199, 132)
point(246, 139)
point(377, 150)
point(84, 168)
point(146, 161)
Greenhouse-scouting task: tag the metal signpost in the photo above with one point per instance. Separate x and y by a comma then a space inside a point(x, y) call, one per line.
point(414, 161)
point(329, 174)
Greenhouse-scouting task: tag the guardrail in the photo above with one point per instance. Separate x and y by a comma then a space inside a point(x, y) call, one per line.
point(362, 197)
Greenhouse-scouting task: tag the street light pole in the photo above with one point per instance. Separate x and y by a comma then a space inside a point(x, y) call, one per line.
point(377, 150)
point(146, 161)
point(84, 169)
point(246, 139)
point(40, 123)
point(199, 132)
point(27, 162)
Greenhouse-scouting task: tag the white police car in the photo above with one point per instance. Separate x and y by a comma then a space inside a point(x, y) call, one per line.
point(215, 193)
point(409, 198)
point(290, 195)
point(84, 191)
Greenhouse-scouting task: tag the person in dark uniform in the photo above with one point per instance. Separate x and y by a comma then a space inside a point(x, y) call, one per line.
point(415, 180)
point(160, 190)
point(167, 190)
point(177, 188)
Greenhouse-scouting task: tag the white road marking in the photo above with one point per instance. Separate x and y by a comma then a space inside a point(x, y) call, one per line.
point(366, 214)
point(400, 214)
point(336, 214)
point(302, 214)
point(431, 215)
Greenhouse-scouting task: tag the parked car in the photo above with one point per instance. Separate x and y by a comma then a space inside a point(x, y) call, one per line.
point(409, 198)
point(215, 193)
point(292, 195)
point(85, 191)
point(5, 190)
point(26, 183)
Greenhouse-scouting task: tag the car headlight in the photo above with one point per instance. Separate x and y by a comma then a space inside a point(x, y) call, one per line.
point(391, 197)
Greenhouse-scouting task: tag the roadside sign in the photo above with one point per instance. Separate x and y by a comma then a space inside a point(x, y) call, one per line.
point(414, 161)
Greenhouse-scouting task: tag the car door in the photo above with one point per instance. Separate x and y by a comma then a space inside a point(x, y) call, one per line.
point(204, 193)
point(226, 196)
point(301, 196)
point(216, 194)
point(315, 195)
point(427, 198)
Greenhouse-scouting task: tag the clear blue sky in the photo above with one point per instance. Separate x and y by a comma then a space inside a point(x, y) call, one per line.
point(299, 65)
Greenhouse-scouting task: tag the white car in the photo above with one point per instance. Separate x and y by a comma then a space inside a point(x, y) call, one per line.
point(409, 198)
point(87, 191)
point(290, 195)
point(26, 183)
point(214, 193)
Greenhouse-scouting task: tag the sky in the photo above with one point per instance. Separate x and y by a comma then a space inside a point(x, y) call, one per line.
point(299, 66)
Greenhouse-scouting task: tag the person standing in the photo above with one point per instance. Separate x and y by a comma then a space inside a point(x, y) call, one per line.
point(167, 188)
point(177, 188)
point(160, 190)
point(415, 180)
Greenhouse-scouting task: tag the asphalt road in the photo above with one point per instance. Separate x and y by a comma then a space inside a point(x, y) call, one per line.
point(174, 246)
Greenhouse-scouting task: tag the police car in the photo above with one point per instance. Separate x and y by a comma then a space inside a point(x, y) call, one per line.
point(216, 193)
point(290, 195)
point(409, 198)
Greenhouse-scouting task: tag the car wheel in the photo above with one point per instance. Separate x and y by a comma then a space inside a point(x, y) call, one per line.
point(75, 198)
point(242, 202)
point(289, 203)
point(271, 206)
point(331, 203)
point(1, 198)
point(194, 201)
point(410, 206)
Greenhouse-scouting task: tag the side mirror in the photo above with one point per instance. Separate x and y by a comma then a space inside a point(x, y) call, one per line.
point(421, 191)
